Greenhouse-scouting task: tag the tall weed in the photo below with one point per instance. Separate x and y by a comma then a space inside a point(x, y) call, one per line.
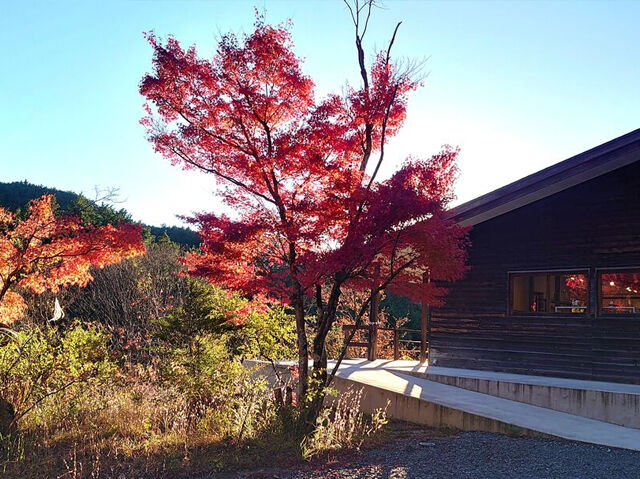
point(343, 425)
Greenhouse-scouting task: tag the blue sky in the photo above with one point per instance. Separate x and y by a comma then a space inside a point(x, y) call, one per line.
point(517, 85)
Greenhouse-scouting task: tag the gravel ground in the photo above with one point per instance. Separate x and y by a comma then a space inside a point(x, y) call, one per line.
point(473, 455)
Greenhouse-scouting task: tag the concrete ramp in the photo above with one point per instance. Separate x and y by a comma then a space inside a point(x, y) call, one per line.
point(604, 401)
point(422, 401)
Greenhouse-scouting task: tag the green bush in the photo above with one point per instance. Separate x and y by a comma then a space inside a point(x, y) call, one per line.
point(37, 365)
point(202, 344)
point(248, 329)
point(206, 375)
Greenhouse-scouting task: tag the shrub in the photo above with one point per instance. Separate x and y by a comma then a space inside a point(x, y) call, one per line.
point(123, 298)
point(203, 341)
point(268, 334)
point(87, 408)
point(206, 375)
point(39, 364)
point(249, 329)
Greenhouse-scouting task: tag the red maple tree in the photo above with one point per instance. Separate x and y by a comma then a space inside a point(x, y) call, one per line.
point(311, 216)
point(44, 251)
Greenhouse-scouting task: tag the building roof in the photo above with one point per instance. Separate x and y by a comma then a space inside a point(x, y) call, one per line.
point(590, 164)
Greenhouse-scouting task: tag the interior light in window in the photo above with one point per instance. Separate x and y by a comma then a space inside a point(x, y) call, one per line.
point(549, 292)
point(618, 292)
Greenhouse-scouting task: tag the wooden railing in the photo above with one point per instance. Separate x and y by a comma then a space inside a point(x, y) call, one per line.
point(373, 328)
point(399, 341)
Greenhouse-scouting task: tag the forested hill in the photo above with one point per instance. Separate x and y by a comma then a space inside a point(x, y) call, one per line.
point(17, 194)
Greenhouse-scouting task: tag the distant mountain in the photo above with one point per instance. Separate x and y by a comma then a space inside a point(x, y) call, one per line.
point(17, 194)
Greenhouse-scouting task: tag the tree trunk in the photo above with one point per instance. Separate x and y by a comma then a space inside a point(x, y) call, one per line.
point(303, 347)
point(7, 416)
point(319, 375)
point(317, 391)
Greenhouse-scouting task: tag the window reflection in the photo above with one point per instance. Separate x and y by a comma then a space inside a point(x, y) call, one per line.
point(553, 292)
point(619, 292)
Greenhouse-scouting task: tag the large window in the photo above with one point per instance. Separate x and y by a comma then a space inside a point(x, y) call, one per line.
point(549, 292)
point(619, 292)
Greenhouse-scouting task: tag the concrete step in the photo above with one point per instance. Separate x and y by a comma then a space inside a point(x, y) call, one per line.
point(610, 402)
point(422, 401)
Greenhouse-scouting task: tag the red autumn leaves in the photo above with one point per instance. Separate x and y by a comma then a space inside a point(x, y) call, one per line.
point(293, 168)
point(46, 252)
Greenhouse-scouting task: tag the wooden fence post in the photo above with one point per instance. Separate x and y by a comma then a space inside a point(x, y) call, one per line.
point(425, 314)
point(372, 350)
point(396, 345)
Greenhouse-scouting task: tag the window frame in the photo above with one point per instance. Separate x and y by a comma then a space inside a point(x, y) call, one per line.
point(510, 312)
point(598, 277)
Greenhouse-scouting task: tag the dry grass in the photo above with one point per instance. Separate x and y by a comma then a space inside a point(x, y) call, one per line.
point(343, 426)
point(188, 412)
point(137, 427)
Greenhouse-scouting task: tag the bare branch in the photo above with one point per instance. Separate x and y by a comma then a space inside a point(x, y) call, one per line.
point(370, 5)
point(184, 157)
point(108, 195)
point(353, 17)
point(393, 39)
point(383, 136)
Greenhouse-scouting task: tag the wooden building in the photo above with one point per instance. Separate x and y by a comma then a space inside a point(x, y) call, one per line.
point(554, 281)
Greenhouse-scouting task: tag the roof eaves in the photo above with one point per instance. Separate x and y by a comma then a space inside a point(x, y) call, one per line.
point(590, 164)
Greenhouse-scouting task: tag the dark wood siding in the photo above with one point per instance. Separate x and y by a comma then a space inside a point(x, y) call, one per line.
point(592, 225)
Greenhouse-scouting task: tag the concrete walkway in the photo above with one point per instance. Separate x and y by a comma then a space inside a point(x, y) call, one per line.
point(396, 377)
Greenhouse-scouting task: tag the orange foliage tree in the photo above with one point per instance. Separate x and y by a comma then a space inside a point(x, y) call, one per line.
point(43, 251)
